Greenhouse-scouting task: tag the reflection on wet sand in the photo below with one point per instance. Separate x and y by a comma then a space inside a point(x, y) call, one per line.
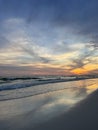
point(18, 114)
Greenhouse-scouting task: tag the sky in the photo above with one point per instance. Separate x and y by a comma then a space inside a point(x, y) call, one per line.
point(48, 37)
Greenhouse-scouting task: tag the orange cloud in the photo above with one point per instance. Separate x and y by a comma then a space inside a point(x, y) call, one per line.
point(79, 71)
point(90, 67)
point(86, 69)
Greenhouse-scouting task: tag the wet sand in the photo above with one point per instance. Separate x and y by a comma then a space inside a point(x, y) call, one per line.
point(83, 116)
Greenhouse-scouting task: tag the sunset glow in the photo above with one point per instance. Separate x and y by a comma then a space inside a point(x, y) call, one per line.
point(46, 41)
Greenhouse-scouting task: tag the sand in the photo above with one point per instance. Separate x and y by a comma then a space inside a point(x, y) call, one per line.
point(83, 116)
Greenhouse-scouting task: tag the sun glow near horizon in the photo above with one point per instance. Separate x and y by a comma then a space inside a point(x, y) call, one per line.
point(49, 43)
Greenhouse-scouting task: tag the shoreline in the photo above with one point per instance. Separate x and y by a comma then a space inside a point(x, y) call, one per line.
point(82, 116)
point(41, 82)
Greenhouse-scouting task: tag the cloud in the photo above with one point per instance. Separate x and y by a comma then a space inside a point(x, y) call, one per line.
point(77, 14)
point(95, 71)
point(67, 47)
point(30, 70)
point(3, 42)
point(85, 57)
point(41, 30)
point(33, 51)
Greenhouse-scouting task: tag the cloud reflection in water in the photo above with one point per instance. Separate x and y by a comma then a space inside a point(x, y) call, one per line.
point(42, 107)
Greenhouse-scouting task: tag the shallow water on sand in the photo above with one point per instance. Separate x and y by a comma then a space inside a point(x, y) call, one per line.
point(43, 102)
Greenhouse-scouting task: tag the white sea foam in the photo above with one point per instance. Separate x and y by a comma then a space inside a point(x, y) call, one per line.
point(35, 87)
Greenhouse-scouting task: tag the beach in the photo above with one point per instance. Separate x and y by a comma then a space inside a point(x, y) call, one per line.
point(48, 65)
point(82, 117)
point(69, 105)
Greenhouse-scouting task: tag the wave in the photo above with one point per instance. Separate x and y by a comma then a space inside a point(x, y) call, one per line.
point(23, 83)
point(42, 89)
